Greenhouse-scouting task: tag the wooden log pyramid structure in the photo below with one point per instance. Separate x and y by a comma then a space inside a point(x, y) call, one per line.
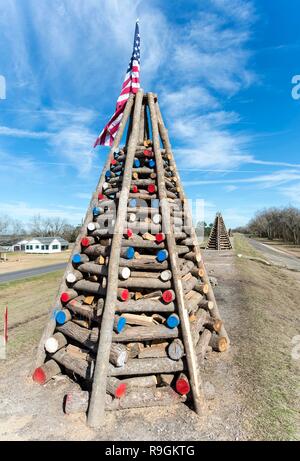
point(219, 238)
point(135, 313)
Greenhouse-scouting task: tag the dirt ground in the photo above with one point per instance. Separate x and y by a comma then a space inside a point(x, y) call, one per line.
point(19, 260)
point(256, 381)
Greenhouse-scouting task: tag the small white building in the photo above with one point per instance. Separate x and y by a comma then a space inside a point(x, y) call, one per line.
point(46, 245)
point(20, 246)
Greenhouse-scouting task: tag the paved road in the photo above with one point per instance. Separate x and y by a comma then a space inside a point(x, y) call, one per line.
point(11, 276)
point(276, 256)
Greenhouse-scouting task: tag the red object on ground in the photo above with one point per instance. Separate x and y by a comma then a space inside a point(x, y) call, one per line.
point(100, 196)
point(64, 297)
point(85, 241)
point(182, 386)
point(135, 189)
point(151, 188)
point(39, 376)
point(147, 153)
point(121, 390)
point(160, 237)
point(167, 296)
point(124, 294)
point(129, 233)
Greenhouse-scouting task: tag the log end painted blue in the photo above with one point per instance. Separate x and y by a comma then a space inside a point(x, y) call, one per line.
point(60, 317)
point(173, 321)
point(162, 255)
point(76, 258)
point(130, 253)
point(120, 324)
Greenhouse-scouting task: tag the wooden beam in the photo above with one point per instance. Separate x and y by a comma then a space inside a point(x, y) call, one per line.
point(97, 403)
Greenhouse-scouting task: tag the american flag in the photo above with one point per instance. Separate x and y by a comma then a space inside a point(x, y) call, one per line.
point(130, 85)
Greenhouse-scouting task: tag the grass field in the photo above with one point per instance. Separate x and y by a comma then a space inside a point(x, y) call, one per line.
point(269, 299)
point(29, 301)
point(19, 260)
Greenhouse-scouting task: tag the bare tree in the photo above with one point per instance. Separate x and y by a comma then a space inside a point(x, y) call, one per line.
point(4, 224)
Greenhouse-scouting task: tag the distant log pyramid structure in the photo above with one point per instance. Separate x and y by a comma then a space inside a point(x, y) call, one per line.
point(135, 312)
point(219, 238)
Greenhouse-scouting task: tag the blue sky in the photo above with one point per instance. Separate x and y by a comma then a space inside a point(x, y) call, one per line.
point(223, 71)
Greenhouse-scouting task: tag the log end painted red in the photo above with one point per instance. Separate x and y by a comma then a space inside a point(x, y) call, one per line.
point(39, 375)
point(124, 294)
point(85, 241)
point(129, 233)
point(64, 297)
point(101, 196)
point(182, 386)
point(121, 390)
point(167, 296)
point(135, 189)
point(160, 237)
point(151, 188)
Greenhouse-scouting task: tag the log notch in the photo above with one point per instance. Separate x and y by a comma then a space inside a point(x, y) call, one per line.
point(196, 384)
point(97, 403)
point(50, 327)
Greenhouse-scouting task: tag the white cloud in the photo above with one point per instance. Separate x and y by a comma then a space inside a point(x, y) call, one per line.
point(265, 181)
point(230, 188)
point(292, 192)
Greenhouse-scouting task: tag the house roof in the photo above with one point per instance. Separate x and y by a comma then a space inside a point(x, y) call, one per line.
point(48, 240)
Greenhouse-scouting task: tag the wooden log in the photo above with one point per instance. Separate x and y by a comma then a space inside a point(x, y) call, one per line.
point(55, 342)
point(118, 354)
point(136, 367)
point(143, 306)
point(115, 387)
point(134, 349)
point(149, 283)
point(202, 344)
point(45, 372)
point(82, 368)
point(176, 349)
point(192, 256)
point(189, 284)
point(97, 402)
point(200, 319)
point(140, 382)
point(143, 227)
point(145, 264)
point(201, 287)
point(142, 320)
point(76, 402)
point(218, 343)
point(81, 309)
point(90, 287)
point(186, 267)
point(72, 277)
point(145, 334)
point(192, 303)
point(196, 385)
point(155, 350)
point(97, 250)
point(93, 268)
point(165, 379)
point(139, 242)
point(67, 295)
point(87, 338)
point(153, 295)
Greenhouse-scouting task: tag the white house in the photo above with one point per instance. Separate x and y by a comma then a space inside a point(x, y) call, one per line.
point(20, 246)
point(46, 245)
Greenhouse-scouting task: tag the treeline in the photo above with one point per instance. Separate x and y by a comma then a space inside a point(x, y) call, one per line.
point(38, 227)
point(275, 223)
